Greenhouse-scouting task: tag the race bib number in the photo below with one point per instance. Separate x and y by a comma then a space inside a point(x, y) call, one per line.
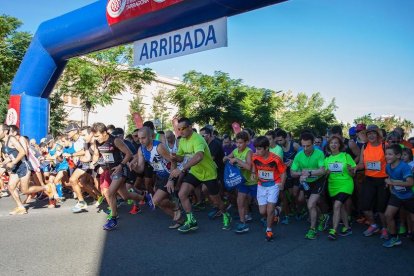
point(400, 189)
point(265, 175)
point(336, 167)
point(157, 166)
point(373, 166)
point(108, 157)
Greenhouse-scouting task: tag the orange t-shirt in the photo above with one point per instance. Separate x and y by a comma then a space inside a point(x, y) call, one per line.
point(270, 169)
point(374, 161)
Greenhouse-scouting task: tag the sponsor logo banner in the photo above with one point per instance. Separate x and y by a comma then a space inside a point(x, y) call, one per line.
point(13, 113)
point(120, 10)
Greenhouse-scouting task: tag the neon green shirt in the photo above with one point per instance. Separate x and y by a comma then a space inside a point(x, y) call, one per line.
point(313, 162)
point(246, 173)
point(340, 181)
point(277, 150)
point(206, 169)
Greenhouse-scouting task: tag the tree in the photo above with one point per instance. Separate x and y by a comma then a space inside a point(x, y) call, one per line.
point(365, 119)
point(307, 112)
point(13, 46)
point(386, 122)
point(220, 101)
point(59, 114)
point(408, 126)
point(97, 78)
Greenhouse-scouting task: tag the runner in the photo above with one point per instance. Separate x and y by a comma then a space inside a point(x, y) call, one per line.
point(270, 172)
point(157, 155)
point(374, 195)
point(200, 169)
point(107, 154)
point(309, 166)
point(18, 170)
point(400, 181)
point(340, 168)
point(242, 157)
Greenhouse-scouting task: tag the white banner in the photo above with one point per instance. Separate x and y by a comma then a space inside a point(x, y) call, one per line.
point(182, 42)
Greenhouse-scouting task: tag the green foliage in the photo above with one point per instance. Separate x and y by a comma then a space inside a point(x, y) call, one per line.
point(99, 77)
point(307, 112)
point(59, 114)
point(386, 122)
point(160, 110)
point(13, 46)
point(220, 101)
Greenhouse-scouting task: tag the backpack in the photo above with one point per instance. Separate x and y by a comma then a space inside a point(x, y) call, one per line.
point(232, 176)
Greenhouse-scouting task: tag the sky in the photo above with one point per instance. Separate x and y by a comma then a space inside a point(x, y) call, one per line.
point(359, 52)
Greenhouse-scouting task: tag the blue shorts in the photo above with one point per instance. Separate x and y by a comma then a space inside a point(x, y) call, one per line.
point(249, 190)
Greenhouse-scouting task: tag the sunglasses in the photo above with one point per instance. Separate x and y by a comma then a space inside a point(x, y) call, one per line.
point(136, 136)
point(182, 128)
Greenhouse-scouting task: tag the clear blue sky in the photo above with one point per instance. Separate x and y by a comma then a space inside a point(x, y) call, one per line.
point(360, 52)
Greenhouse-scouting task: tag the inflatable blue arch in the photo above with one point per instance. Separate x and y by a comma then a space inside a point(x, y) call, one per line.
point(98, 26)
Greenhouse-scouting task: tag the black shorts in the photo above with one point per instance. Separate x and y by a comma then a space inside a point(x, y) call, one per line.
point(315, 188)
point(131, 177)
point(342, 197)
point(212, 185)
point(291, 182)
point(374, 195)
point(160, 183)
point(148, 170)
point(408, 204)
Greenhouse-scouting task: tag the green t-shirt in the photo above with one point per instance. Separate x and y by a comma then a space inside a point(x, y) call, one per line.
point(313, 162)
point(340, 181)
point(277, 150)
point(206, 169)
point(246, 173)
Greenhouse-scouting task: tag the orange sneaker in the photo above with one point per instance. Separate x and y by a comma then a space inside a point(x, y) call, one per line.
point(135, 210)
point(269, 236)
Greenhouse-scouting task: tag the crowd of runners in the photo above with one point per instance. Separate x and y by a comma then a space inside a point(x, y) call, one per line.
point(330, 180)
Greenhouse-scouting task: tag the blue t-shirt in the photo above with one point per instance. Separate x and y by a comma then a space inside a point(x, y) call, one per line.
point(400, 173)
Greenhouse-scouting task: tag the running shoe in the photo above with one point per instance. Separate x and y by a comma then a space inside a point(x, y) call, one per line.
point(215, 213)
point(148, 200)
point(18, 211)
point(226, 221)
point(269, 236)
point(52, 204)
point(384, 234)
point(99, 201)
point(345, 231)
point(135, 210)
point(111, 224)
point(392, 242)
point(372, 229)
point(311, 234)
point(4, 194)
point(175, 224)
point(332, 234)
point(323, 222)
point(242, 228)
point(285, 220)
point(188, 226)
point(79, 207)
point(120, 202)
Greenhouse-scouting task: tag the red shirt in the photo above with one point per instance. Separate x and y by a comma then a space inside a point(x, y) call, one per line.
point(269, 169)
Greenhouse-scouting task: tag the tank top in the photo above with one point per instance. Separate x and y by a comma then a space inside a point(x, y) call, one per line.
point(109, 155)
point(243, 156)
point(12, 153)
point(290, 154)
point(174, 147)
point(374, 161)
point(156, 161)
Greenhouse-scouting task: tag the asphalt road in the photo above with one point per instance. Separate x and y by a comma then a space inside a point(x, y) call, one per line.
point(57, 242)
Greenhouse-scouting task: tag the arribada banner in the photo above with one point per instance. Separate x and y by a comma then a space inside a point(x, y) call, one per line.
point(182, 42)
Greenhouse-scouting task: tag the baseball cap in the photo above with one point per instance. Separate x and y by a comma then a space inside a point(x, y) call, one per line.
point(71, 126)
point(360, 127)
point(352, 131)
point(117, 132)
point(374, 128)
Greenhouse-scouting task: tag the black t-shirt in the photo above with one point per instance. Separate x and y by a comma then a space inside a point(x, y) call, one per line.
point(217, 153)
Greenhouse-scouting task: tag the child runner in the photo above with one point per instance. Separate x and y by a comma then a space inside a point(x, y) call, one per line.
point(270, 172)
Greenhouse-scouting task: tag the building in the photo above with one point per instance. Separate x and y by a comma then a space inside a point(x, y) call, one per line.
point(116, 113)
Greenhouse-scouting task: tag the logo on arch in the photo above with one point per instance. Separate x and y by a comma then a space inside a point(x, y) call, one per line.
point(115, 7)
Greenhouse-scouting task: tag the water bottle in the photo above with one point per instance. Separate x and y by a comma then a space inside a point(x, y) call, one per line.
point(305, 186)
